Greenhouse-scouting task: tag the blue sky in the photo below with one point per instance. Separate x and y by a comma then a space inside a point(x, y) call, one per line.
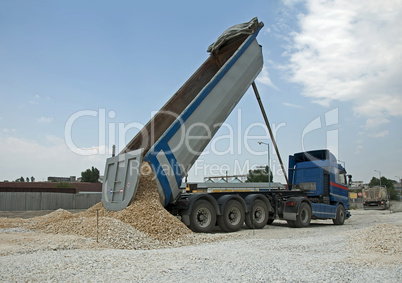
point(331, 78)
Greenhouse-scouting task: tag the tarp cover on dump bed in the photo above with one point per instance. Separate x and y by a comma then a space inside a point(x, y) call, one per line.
point(233, 33)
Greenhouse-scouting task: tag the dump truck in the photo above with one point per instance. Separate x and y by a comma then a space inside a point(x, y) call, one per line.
point(375, 197)
point(178, 133)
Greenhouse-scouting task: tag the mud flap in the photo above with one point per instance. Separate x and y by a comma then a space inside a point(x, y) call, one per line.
point(291, 208)
point(122, 174)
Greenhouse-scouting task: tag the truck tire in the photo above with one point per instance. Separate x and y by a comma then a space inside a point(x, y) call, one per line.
point(202, 217)
point(340, 215)
point(258, 216)
point(303, 217)
point(232, 218)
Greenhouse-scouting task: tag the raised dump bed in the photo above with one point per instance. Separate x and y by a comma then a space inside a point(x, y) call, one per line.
point(175, 137)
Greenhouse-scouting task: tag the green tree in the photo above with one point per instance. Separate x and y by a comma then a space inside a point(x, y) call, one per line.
point(385, 182)
point(259, 175)
point(90, 175)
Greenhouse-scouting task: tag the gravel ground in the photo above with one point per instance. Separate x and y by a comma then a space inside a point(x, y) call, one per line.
point(367, 248)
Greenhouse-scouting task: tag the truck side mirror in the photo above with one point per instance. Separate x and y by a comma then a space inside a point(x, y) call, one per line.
point(349, 180)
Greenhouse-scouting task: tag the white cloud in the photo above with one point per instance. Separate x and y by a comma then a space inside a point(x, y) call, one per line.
point(35, 101)
point(267, 30)
point(351, 51)
point(263, 78)
point(45, 120)
point(376, 122)
point(290, 3)
point(49, 157)
point(380, 134)
point(7, 130)
point(292, 105)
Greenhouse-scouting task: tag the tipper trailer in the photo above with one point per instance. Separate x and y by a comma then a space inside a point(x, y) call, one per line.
point(175, 137)
point(375, 197)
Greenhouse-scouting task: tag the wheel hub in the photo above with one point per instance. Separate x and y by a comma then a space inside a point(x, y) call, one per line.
point(234, 216)
point(203, 217)
point(303, 215)
point(257, 214)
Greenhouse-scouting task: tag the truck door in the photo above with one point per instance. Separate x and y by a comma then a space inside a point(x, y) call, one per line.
point(339, 190)
point(326, 192)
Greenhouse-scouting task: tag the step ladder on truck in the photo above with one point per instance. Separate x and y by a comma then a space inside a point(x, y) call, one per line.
point(315, 186)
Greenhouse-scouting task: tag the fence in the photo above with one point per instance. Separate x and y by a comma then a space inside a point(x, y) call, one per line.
point(20, 201)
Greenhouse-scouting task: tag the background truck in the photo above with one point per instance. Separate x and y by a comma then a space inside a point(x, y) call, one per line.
point(375, 197)
point(175, 137)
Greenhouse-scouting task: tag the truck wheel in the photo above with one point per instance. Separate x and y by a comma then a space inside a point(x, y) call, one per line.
point(303, 218)
point(202, 217)
point(232, 217)
point(258, 216)
point(340, 215)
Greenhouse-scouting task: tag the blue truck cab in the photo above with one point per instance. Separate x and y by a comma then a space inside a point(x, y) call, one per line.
point(324, 183)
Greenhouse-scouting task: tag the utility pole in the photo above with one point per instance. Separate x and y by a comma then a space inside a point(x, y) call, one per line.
point(269, 165)
point(379, 172)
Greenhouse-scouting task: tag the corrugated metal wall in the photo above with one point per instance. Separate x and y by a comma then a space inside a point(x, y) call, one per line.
point(20, 201)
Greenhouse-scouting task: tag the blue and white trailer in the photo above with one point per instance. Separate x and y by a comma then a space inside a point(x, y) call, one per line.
point(174, 138)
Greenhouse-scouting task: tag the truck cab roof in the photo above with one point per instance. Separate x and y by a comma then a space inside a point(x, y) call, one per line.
point(322, 154)
point(321, 158)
